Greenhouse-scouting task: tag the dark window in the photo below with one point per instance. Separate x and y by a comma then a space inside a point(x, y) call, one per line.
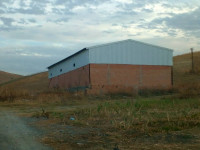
point(60, 70)
point(51, 74)
point(74, 65)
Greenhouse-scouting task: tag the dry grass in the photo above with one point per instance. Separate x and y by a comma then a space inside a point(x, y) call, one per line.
point(6, 77)
point(189, 90)
point(9, 94)
point(33, 84)
point(185, 82)
point(182, 69)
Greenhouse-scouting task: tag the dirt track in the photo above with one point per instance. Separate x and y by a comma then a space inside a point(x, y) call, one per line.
point(16, 134)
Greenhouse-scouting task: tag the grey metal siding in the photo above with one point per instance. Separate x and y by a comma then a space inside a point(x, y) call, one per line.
point(79, 60)
point(130, 52)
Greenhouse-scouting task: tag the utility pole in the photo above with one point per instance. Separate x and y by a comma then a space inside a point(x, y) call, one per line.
point(192, 60)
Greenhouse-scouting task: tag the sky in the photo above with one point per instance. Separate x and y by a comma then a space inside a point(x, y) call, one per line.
point(37, 33)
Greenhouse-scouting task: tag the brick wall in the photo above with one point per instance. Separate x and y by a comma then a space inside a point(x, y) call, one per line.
point(127, 78)
point(104, 78)
point(74, 79)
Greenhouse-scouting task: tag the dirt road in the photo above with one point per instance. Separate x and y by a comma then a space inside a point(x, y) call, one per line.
point(16, 134)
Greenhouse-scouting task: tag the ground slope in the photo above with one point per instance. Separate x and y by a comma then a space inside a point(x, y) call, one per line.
point(6, 77)
point(182, 68)
point(36, 83)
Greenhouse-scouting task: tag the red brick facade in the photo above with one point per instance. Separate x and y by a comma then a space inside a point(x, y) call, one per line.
point(104, 78)
point(73, 79)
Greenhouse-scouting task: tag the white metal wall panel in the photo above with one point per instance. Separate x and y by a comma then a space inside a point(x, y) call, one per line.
point(130, 52)
point(81, 59)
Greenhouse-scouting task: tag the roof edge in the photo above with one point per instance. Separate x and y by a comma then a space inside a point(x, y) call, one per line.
point(131, 40)
point(76, 53)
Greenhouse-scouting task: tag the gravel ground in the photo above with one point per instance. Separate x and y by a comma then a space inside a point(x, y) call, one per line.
point(16, 134)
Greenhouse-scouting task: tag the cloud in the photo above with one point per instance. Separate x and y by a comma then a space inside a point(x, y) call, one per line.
point(28, 60)
point(32, 20)
point(182, 25)
point(186, 21)
point(36, 10)
point(7, 21)
point(45, 31)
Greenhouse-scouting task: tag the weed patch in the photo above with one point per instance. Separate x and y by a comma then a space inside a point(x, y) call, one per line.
point(143, 115)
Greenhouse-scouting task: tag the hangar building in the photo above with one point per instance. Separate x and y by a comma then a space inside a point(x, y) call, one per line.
point(113, 67)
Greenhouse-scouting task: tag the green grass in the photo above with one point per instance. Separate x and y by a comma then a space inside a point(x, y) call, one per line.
point(144, 115)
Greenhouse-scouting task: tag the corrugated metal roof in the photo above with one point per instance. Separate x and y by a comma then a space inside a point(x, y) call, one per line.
point(101, 45)
point(131, 41)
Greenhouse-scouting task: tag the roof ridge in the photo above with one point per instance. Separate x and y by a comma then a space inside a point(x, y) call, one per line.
point(100, 45)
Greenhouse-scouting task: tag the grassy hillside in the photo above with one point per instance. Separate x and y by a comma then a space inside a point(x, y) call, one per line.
point(6, 77)
point(182, 69)
point(33, 83)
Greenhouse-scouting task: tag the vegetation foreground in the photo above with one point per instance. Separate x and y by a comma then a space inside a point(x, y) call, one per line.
point(114, 122)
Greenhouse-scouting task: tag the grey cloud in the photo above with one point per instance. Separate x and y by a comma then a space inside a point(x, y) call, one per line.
point(64, 19)
point(108, 31)
point(37, 7)
point(60, 2)
point(140, 4)
point(114, 24)
point(72, 3)
point(147, 10)
point(22, 21)
point(7, 21)
point(186, 21)
point(11, 28)
point(133, 35)
point(7, 24)
point(32, 20)
point(2, 11)
point(36, 10)
point(2, 2)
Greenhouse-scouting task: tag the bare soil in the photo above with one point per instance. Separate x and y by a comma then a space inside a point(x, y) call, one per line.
point(17, 134)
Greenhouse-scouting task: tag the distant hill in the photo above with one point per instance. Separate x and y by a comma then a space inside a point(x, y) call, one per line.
point(182, 68)
point(33, 83)
point(6, 77)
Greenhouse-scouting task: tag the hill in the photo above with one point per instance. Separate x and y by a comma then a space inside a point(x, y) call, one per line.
point(182, 69)
point(6, 77)
point(33, 83)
